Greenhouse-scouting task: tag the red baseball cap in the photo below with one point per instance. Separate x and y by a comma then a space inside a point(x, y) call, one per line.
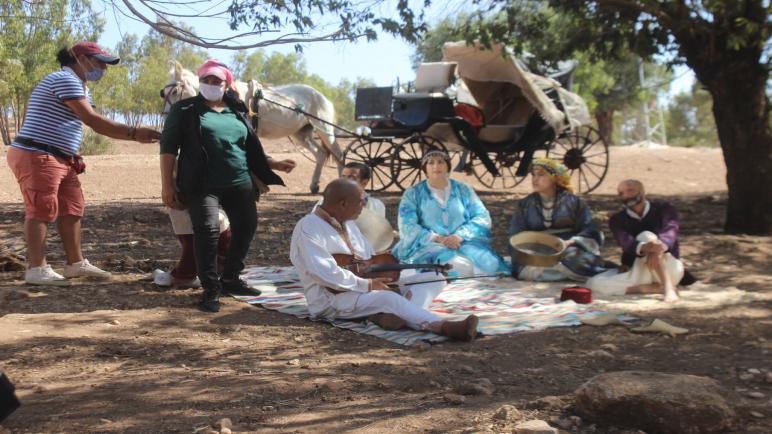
point(87, 48)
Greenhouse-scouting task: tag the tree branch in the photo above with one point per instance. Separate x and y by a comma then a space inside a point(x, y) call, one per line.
point(169, 29)
point(664, 18)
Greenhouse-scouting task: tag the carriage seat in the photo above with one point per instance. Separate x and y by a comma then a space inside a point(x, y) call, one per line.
point(500, 133)
point(434, 77)
point(419, 95)
point(431, 81)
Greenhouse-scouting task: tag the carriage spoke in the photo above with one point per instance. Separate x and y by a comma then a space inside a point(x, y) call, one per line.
point(416, 178)
point(592, 171)
point(589, 144)
point(595, 164)
point(562, 145)
point(586, 180)
point(382, 180)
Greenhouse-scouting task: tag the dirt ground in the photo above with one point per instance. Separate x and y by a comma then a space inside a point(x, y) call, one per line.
point(126, 356)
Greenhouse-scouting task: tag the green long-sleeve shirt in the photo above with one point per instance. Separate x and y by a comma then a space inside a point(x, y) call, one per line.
point(223, 137)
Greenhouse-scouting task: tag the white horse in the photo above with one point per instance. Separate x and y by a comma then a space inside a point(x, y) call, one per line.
point(275, 121)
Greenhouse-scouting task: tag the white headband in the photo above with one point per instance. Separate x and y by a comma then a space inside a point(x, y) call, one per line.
point(432, 153)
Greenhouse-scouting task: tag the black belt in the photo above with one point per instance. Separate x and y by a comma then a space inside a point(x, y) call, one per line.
point(56, 152)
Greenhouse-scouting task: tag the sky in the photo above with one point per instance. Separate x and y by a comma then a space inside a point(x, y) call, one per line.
point(383, 61)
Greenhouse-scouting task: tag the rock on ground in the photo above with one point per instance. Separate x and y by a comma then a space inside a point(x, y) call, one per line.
point(535, 427)
point(507, 413)
point(656, 402)
point(547, 403)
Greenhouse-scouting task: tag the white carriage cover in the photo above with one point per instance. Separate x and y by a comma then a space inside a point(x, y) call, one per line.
point(507, 93)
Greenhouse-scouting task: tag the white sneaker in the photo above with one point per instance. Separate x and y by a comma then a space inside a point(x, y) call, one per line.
point(44, 275)
point(165, 279)
point(162, 278)
point(85, 269)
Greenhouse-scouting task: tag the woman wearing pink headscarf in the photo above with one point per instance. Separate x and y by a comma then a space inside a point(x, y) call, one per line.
point(219, 158)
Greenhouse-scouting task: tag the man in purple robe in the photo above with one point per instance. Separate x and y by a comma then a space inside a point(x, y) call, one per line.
point(647, 231)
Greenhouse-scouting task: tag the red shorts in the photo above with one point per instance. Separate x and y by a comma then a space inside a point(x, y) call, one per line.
point(50, 187)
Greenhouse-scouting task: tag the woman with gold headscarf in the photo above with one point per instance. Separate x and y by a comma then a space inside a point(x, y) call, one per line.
point(553, 208)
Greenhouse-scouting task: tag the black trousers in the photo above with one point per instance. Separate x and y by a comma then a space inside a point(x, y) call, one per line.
point(238, 202)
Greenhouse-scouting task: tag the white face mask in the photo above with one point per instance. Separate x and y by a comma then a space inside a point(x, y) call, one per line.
point(212, 92)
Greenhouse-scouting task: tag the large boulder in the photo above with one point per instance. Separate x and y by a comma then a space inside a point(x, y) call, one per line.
point(655, 402)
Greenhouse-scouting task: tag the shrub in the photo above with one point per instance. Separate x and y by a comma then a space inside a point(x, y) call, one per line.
point(95, 144)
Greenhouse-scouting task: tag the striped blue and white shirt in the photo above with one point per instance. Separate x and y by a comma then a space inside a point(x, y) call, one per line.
point(48, 119)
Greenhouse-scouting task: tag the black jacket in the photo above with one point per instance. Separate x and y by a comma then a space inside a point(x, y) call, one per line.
point(191, 163)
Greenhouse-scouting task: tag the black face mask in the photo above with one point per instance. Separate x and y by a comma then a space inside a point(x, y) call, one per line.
point(635, 200)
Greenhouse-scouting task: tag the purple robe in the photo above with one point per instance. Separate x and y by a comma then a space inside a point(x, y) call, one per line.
point(662, 219)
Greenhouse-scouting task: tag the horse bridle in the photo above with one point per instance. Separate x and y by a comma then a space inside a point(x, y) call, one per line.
point(166, 95)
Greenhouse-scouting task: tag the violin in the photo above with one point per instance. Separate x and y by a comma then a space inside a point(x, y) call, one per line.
point(381, 265)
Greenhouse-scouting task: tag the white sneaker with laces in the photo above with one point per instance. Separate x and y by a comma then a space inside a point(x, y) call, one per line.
point(85, 269)
point(162, 278)
point(44, 275)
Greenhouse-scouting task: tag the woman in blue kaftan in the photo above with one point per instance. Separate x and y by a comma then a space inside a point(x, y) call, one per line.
point(444, 221)
point(554, 209)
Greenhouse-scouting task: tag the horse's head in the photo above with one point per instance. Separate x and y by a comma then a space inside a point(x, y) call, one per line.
point(182, 84)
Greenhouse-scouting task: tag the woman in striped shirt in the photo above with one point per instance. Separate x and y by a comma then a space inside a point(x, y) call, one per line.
point(44, 158)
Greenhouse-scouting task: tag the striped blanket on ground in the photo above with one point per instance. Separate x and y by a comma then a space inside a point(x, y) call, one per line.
point(503, 306)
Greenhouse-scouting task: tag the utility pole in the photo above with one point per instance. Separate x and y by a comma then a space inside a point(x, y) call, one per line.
point(655, 134)
point(645, 103)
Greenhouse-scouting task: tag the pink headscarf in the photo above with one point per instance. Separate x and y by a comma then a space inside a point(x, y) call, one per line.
point(217, 69)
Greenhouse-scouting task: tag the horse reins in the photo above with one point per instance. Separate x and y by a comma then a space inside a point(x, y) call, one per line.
point(298, 109)
point(166, 95)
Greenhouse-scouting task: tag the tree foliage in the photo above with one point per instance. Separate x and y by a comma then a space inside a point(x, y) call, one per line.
point(30, 35)
point(690, 119)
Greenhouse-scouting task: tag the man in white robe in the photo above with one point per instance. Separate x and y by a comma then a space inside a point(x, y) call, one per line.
point(372, 221)
point(329, 230)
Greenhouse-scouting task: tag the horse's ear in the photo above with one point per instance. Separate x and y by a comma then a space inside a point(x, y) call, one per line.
point(177, 71)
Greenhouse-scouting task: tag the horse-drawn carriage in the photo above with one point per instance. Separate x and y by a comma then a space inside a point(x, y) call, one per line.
point(488, 111)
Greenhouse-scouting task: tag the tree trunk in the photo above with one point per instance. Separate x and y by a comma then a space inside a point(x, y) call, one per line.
point(742, 109)
point(605, 119)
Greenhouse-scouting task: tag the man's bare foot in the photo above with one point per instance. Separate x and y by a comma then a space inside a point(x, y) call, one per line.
point(671, 295)
point(648, 288)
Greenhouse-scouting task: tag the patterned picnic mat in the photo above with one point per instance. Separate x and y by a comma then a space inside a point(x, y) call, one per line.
point(503, 305)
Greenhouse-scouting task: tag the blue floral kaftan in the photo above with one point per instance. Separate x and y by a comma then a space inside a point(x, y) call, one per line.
point(421, 217)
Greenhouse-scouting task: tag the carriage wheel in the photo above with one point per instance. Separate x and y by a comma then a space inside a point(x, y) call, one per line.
point(376, 153)
point(507, 165)
point(406, 163)
point(585, 154)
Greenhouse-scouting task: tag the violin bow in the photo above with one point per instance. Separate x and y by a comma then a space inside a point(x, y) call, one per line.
point(437, 268)
point(394, 285)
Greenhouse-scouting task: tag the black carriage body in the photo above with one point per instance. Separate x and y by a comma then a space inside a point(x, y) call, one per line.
point(400, 115)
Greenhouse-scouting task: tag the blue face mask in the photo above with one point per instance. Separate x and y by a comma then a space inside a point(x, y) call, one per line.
point(95, 74)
